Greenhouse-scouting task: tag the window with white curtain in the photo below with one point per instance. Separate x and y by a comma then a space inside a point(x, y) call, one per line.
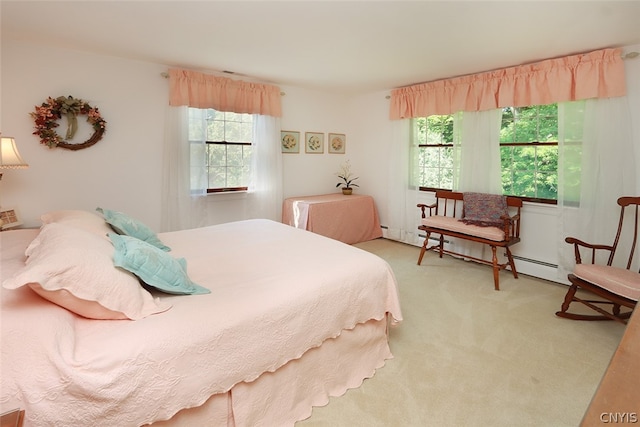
point(528, 151)
point(222, 143)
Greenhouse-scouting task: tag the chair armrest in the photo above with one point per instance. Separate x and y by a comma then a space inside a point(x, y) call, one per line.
point(510, 225)
point(578, 244)
point(423, 207)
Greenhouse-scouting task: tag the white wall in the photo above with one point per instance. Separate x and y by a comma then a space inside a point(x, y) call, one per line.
point(123, 171)
point(312, 111)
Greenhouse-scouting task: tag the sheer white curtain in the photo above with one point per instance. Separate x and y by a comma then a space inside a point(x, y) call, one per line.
point(403, 191)
point(596, 166)
point(183, 202)
point(476, 153)
point(265, 189)
point(476, 162)
point(184, 198)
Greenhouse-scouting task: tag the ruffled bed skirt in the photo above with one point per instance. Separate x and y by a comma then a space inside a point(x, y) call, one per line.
point(289, 394)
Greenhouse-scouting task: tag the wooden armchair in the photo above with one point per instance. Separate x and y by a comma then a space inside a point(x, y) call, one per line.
point(616, 287)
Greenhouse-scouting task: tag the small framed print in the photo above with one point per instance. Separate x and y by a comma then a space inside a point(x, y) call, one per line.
point(314, 142)
point(337, 143)
point(10, 218)
point(290, 141)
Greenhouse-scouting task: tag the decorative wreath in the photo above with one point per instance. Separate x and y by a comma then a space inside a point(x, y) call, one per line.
point(47, 115)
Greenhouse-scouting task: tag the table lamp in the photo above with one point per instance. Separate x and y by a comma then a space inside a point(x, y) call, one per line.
point(9, 158)
point(9, 155)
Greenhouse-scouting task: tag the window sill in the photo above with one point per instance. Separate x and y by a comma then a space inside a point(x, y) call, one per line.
point(228, 195)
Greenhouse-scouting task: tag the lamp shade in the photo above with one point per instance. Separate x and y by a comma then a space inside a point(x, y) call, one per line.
point(9, 156)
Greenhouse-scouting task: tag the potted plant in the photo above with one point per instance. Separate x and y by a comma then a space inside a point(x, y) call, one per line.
point(346, 178)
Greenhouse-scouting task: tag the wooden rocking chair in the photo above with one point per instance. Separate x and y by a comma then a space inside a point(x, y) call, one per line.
point(616, 287)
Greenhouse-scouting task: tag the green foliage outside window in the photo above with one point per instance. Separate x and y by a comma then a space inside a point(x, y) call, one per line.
point(528, 150)
point(528, 168)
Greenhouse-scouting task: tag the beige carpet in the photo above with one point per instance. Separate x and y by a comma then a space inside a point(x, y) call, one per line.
point(467, 355)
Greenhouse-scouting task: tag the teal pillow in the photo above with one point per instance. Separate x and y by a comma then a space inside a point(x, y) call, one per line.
point(153, 266)
point(123, 224)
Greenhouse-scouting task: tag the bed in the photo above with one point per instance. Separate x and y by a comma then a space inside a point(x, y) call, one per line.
point(281, 320)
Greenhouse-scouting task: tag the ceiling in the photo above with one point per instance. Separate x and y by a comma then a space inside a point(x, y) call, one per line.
point(339, 46)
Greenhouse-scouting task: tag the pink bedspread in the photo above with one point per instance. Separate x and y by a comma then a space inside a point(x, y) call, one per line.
point(349, 219)
point(276, 292)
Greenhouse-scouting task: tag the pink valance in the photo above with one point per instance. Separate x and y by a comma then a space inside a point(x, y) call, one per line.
point(598, 74)
point(200, 90)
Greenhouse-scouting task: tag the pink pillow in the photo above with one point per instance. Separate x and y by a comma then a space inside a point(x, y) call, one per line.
point(74, 268)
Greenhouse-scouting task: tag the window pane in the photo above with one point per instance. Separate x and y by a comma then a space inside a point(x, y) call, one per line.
point(547, 158)
point(439, 129)
point(548, 185)
point(507, 129)
point(232, 132)
point(215, 130)
point(217, 154)
point(217, 177)
point(435, 167)
point(234, 176)
point(548, 129)
point(247, 151)
point(234, 155)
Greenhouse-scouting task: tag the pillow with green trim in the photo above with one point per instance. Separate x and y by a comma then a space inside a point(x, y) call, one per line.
point(153, 266)
point(124, 224)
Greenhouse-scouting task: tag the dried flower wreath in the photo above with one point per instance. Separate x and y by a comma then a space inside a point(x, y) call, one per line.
point(47, 115)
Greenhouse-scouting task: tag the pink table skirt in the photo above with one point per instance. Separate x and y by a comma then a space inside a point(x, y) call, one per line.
point(349, 219)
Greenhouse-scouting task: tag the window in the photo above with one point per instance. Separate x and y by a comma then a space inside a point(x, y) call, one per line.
point(434, 137)
point(528, 152)
point(227, 149)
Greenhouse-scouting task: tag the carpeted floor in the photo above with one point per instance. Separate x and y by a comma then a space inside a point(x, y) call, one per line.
point(467, 355)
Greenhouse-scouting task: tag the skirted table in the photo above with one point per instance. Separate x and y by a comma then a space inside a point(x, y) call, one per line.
point(349, 219)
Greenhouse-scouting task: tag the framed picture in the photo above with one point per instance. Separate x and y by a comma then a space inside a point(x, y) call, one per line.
point(10, 218)
point(337, 143)
point(314, 142)
point(290, 141)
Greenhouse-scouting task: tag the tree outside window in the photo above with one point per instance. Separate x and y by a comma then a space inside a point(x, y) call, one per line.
point(528, 151)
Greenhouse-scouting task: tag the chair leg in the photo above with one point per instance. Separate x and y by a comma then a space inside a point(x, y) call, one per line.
point(496, 269)
point(441, 245)
point(568, 298)
point(424, 248)
point(511, 263)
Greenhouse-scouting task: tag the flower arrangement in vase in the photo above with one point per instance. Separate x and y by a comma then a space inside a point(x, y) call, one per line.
point(346, 177)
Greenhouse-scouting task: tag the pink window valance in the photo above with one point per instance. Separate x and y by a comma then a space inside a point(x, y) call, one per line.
point(598, 74)
point(200, 90)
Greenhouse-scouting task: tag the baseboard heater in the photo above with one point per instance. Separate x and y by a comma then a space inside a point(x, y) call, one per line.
point(535, 261)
